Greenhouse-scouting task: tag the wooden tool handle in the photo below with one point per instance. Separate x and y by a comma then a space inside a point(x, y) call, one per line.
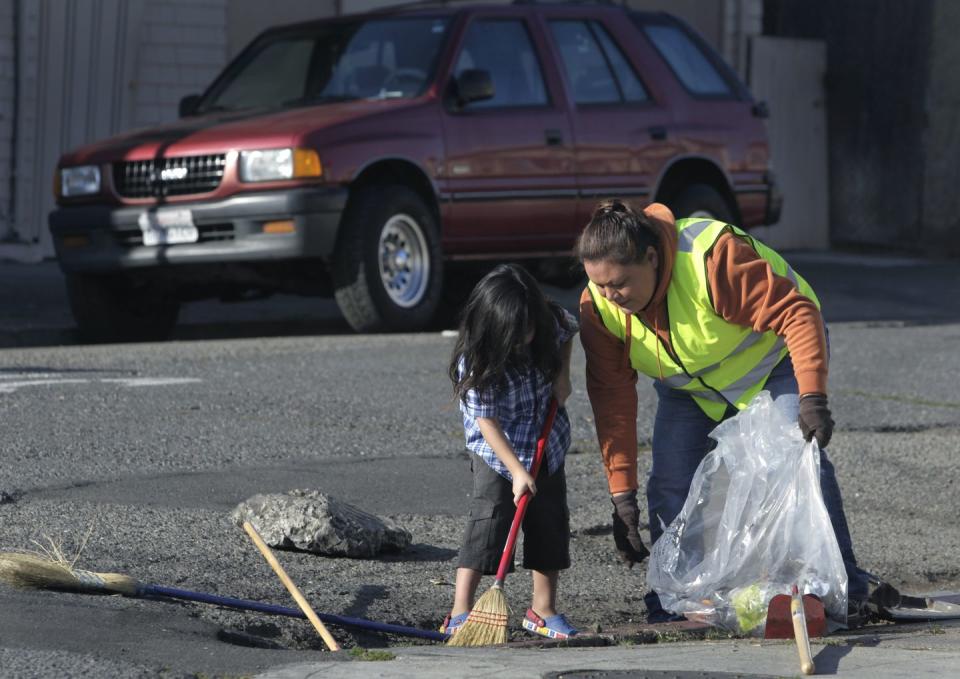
point(292, 588)
point(800, 632)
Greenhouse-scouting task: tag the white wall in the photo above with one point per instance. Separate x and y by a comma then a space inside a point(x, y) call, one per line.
point(789, 75)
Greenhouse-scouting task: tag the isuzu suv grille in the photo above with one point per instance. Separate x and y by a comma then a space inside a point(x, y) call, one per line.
point(168, 176)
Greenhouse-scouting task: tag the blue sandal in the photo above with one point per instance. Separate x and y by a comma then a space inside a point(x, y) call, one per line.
point(452, 624)
point(554, 627)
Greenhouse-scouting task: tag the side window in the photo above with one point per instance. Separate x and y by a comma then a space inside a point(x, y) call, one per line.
point(690, 64)
point(588, 73)
point(630, 85)
point(504, 49)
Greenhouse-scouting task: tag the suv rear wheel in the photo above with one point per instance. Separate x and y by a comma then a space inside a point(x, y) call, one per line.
point(387, 267)
point(701, 200)
point(116, 309)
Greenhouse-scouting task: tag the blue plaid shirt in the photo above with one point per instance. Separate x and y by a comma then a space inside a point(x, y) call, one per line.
point(520, 407)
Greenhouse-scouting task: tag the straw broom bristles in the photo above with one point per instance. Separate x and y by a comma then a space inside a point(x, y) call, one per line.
point(487, 622)
point(40, 572)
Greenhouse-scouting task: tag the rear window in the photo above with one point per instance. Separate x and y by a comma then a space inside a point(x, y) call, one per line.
point(692, 67)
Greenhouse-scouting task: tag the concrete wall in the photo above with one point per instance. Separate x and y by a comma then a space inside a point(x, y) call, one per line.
point(941, 139)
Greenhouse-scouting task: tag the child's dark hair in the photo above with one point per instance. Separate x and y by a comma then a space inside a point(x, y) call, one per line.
point(499, 315)
point(616, 232)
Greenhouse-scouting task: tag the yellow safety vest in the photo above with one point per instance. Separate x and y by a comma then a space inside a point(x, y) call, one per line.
point(718, 363)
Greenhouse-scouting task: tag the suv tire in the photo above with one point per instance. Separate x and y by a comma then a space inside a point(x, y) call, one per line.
point(113, 308)
point(701, 200)
point(388, 266)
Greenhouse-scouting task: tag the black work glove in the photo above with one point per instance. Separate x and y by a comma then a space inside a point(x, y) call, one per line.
point(815, 418)
point(626, 532)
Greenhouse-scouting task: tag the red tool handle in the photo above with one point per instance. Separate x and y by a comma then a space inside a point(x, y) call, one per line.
point(525, 500)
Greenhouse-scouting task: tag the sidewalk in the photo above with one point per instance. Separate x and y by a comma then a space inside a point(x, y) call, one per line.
point(878, 652)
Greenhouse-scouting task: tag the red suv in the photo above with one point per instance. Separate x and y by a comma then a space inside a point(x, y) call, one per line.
point(367, 156)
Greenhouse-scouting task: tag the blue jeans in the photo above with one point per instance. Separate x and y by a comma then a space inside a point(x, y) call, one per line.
point(680, 442)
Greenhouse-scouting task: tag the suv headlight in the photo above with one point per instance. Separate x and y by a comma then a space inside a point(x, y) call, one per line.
point(79, 181)
point(265, 165)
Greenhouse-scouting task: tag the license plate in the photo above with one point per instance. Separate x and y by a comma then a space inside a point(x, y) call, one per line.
point(168, 227)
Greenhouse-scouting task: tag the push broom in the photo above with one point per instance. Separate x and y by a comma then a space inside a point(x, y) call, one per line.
point(28, 570)
point(487, 622)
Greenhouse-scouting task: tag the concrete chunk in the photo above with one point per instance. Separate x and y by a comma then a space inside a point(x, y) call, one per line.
point(315, 522)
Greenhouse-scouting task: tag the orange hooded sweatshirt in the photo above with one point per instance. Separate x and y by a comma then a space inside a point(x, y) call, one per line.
point(745, 291)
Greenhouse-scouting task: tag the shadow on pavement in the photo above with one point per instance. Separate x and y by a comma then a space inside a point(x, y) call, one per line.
point(852, 287)
point(828, 659)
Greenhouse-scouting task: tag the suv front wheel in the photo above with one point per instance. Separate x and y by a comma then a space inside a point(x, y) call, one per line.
point(387, 267)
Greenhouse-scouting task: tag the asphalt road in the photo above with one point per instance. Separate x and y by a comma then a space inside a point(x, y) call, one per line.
point(148, 447)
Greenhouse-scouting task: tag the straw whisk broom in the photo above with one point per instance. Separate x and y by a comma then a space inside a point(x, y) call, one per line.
point(56, 573)
point(487, 623)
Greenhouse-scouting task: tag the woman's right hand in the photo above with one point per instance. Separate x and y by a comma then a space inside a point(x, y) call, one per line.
point(523, 483)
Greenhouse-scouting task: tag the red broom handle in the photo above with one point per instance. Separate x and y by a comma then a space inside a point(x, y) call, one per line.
point(525, 500)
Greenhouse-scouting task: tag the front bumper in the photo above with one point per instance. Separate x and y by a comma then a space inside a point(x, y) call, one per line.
point(102, 238)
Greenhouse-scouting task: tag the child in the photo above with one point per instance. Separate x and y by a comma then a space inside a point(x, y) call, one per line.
point(512, 354)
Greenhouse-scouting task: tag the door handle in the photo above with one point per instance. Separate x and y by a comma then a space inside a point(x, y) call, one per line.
point(554, 137)
point(658, 132)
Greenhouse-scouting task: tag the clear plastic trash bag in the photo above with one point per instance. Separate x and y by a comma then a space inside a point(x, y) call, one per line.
point(753, 524)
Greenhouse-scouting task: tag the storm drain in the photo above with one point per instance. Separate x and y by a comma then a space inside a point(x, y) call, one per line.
point(652, 674)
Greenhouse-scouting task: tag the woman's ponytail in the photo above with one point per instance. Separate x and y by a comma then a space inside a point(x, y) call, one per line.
point(616, 232)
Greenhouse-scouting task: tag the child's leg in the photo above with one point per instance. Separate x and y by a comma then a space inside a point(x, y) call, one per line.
point(467, 582)
point(491, 511)
point(544, 601)
point(546, 540)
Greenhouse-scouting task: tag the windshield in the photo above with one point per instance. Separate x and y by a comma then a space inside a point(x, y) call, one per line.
point(376, 59)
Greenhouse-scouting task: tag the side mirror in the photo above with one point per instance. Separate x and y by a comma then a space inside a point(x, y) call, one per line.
point(760, 109)
point(188, 105)
point(474, 84)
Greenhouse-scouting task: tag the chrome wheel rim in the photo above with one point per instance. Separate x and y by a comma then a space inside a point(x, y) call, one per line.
point(404, 261)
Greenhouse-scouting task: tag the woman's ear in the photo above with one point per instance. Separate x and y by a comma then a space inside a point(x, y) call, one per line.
point(652, 256)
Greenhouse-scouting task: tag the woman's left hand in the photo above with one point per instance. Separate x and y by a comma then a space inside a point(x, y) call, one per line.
point(562, 388)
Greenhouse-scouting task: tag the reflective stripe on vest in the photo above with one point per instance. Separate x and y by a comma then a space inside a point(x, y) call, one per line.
point(716, 362)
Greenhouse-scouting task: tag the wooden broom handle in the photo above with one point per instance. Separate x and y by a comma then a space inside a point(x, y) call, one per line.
point(525, 500)
point(800, 632)
point(292, 588)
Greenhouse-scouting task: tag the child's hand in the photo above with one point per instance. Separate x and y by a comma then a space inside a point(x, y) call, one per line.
point(522, 484)
point(562, 388)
